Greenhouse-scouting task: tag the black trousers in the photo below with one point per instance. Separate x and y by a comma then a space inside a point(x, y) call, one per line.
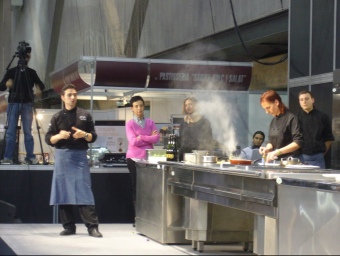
point(131, 165)
point(87, 213)
point(133, 174)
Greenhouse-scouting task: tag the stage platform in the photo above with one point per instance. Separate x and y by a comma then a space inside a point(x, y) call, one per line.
point(118, 239)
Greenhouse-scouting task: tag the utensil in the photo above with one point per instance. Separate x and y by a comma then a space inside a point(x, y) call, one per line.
point(209, 159)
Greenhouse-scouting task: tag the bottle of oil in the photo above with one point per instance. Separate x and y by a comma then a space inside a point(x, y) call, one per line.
point(263, 161)
point(171, 151)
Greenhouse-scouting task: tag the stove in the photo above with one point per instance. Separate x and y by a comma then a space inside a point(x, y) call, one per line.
point(113, 160)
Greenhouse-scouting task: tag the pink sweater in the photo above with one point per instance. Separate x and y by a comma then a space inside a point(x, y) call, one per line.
point(137, 146)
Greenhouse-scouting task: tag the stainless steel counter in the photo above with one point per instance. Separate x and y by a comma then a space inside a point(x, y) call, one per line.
point(162, 215)
point(256, 189)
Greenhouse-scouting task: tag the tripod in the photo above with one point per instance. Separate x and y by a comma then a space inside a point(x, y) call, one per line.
point(21, 103)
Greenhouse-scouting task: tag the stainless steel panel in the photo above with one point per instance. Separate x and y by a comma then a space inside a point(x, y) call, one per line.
point(216, 186)
point(309, 221)
point(204, 222)
point(195, 220)
point(158, 212)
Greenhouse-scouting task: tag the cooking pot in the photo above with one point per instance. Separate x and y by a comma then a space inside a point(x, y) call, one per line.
point(240, 161)
point(199, 154)
point(209, 159)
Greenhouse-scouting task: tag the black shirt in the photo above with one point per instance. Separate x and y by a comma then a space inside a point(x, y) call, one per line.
point(195, 136)
point(23, 83)
point(64, 120)
point(316, 128)
point(283, 130)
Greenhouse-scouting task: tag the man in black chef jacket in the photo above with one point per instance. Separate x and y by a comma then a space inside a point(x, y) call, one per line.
point(317, 131)
point(70, 132)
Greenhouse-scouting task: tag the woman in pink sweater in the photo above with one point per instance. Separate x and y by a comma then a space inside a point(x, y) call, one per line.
point(141, 133)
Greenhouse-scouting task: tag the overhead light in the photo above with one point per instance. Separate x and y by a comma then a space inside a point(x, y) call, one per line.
point(88, 97)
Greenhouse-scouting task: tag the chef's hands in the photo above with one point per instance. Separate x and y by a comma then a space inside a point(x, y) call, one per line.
point(78, 133)
point(64, 135)
point(270, 155)
point(263, 150)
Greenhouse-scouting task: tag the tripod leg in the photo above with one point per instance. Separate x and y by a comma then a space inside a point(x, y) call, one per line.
point(17, 140)
point(38, 130)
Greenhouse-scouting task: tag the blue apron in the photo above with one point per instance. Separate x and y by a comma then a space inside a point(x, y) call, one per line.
point(71, 182)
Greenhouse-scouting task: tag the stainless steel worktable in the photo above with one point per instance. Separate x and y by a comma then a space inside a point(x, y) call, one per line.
point(261, 190)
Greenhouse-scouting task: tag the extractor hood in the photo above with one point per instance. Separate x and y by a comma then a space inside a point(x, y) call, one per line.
point(118, 77)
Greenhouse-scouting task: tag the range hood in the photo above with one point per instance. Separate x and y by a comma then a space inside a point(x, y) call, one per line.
point(119, 77)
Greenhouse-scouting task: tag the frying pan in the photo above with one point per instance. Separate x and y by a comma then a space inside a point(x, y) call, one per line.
point(240, 161)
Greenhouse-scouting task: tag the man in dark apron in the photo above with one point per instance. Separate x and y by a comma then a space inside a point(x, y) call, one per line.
point(70, 131)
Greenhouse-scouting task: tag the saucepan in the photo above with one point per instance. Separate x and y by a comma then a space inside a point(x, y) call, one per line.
point(209, 159)
point(199, 154)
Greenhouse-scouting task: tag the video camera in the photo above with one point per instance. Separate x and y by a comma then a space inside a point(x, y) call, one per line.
point(23, 49)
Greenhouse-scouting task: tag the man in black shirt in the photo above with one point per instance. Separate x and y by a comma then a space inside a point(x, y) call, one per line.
point(70, 132)
point(20, 82)
point(317, 131)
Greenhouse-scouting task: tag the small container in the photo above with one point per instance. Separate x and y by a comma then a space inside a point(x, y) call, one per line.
point(190, 158)
point(155, 155)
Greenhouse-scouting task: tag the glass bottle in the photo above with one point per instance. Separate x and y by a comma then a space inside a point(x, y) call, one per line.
point(263, 161)
point(171, 151)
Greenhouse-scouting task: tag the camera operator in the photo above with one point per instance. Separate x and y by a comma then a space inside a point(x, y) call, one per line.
point(20, 82)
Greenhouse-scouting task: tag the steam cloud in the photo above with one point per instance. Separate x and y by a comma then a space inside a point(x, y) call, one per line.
point(220, 114)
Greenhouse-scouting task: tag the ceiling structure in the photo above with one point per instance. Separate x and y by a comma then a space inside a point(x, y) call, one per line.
point(258, 40)
point(263, 38)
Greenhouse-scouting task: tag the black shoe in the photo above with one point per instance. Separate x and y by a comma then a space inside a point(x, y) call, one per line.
point(67, 232)
point(31, 161)
point(95, 232)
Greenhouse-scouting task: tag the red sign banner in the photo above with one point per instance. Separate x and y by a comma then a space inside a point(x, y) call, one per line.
point(203, 77)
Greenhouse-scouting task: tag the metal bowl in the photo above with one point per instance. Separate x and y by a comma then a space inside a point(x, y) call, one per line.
point(209, 159)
